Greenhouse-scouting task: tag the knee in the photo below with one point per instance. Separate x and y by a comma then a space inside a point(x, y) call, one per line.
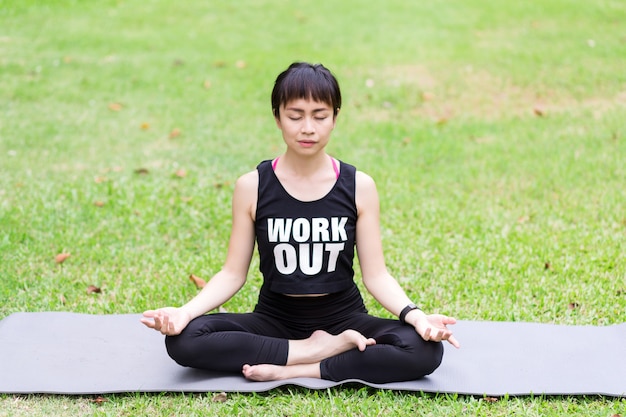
point(179, 350)
point(432, 355)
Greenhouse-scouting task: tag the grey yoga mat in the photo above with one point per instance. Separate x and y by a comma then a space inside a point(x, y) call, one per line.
point(68, 353)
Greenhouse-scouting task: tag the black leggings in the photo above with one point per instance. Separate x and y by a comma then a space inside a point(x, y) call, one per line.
point(227, 341)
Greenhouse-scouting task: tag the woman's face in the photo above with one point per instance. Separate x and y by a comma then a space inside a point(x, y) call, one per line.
point(306, 125)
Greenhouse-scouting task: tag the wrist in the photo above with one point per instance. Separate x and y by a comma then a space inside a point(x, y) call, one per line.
point(414, 316)
point(410, 308)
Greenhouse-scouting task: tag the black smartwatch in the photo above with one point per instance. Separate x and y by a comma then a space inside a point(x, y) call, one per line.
point(406, 310)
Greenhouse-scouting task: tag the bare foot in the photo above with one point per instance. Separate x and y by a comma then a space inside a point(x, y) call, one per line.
point(321, 345)
point(266, 372)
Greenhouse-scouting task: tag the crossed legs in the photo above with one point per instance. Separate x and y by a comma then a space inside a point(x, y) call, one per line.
point(305, 355)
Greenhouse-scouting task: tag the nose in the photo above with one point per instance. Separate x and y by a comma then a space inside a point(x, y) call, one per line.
point(307, 126)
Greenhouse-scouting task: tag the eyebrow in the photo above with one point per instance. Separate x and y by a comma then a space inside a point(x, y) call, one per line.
point(299, 110)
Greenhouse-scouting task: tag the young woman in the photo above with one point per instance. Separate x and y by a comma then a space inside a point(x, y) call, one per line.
point(307, 211)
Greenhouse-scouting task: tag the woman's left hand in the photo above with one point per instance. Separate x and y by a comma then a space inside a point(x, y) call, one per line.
point(434, 327)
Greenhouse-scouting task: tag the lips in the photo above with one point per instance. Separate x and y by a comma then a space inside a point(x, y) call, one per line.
point(306, 143)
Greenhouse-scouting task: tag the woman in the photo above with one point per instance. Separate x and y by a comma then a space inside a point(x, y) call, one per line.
point(307, 212)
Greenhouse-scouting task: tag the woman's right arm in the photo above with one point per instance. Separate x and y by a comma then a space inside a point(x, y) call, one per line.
point(229, 280)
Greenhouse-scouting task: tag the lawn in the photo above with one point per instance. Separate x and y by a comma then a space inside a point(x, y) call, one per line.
point(494, 130)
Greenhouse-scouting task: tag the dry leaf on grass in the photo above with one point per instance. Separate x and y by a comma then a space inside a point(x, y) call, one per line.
point(175, 133)
point(61, 257)
point(115, 106)
point(181, 173)
point(199, 282)
point(92, 289)
point(222, 397)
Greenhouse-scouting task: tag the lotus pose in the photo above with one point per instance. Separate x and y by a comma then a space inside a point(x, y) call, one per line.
point(307, 212)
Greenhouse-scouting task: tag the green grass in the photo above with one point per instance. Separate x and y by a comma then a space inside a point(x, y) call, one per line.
point(495, 132)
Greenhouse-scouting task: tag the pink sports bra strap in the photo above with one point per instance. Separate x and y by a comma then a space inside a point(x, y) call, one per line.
point(335, 167)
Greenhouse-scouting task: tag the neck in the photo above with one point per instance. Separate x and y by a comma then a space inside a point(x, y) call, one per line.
point(304, 165)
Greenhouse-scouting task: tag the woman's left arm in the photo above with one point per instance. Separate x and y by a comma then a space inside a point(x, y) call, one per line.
point(383, 287)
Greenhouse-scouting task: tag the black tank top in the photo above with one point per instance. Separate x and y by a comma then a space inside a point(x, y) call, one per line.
point(306, 247)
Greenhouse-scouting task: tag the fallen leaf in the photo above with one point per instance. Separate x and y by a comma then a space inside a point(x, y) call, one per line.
point(92, 289)
point(490, 399)
point(539, 111)
point(141, 171)
point(98, 203)
point(199, 282)
point(241, 64)
point(99, 179)
point(523, 219)
point(62, 299)
point(207, 84)
point(61, 257)
point(100, 400)
point(573, 306)
point(115, 106)
point(222, 397)
point(178, 62)
point(427, 96)
point(175, 133)
point(181, 173)
point(219, 64)
point(145, 126)
point(547, 265)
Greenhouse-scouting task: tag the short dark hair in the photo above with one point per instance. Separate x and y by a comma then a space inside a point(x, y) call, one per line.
point(307, 81)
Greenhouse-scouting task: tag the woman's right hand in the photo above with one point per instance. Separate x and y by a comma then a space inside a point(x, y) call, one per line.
point(170, 321)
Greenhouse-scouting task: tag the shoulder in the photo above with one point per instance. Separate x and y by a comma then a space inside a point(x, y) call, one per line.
point(245, 193)
point(366, 193)
point(364, 182)
point(248, 181)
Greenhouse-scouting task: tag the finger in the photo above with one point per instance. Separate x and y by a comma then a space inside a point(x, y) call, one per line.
point(448, 320)
point(452, 340)
point(170, 327)
point(165, 324)
point(426, 335)
point(442, 334)
point(147, 322)
point(157, 322)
